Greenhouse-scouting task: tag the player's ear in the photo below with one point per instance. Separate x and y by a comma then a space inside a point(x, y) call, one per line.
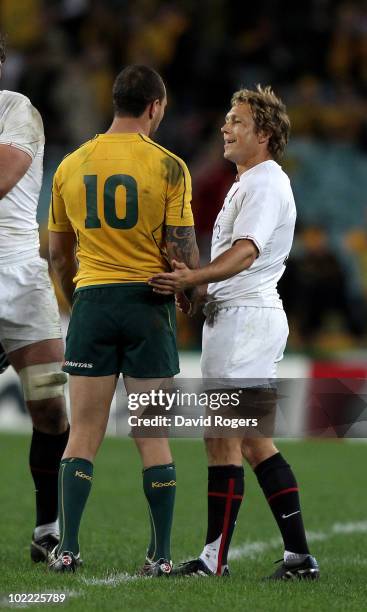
point(153, 107)
point(263, 137)
point(151, 110)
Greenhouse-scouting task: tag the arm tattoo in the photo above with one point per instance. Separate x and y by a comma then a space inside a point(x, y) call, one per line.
point(181, 245)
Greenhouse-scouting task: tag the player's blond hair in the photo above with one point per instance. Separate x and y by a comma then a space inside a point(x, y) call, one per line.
point(269, 114)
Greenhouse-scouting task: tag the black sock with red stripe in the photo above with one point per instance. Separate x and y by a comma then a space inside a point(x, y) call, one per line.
point(280, 488)
point(225, 493)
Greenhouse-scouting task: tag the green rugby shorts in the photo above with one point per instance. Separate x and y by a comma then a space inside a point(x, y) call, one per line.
point(122, 328)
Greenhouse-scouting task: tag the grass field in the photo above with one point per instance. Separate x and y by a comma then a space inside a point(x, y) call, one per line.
point(114, 534)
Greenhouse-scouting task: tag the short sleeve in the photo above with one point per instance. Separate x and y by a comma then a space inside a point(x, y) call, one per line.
point(258, 215)
point(179, 194)
point(58, 220)
point(23, 127)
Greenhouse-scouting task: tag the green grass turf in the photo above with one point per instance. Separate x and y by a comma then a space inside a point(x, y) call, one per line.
point(115, 532)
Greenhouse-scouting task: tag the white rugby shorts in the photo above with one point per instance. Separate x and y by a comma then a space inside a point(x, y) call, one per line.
point(245, 342)
point(28, 307)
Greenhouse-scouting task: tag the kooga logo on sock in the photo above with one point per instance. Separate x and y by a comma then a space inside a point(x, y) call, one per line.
point(82, 475)
point(158, 485)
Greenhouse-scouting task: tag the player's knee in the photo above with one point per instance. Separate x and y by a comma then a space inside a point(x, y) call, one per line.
point(43, 388)
point(249, 453)
point(223, 451)
point(257, 450)
point(43, 381)
point(49, 416)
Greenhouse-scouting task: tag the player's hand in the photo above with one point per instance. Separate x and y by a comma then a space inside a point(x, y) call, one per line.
point(177, 281)
point(183, 303)
point(198, 298)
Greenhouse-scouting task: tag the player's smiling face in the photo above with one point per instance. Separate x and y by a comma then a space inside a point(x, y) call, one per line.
point(241, 143)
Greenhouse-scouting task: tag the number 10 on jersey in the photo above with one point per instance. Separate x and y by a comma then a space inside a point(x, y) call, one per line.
point(92, 220)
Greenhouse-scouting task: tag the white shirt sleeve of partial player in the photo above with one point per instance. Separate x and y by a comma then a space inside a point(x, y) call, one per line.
point(22, 127)
point(258, 215)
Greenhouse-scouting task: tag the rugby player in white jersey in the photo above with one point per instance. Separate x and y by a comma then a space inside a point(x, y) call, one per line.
point(246, 329)
point(30, 332)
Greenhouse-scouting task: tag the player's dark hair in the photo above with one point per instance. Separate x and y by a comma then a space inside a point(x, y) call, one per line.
point(2, 48)
point(134, 88)
point(269, 115)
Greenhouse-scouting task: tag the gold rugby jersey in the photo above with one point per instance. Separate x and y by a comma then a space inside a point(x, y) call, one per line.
point(117, 192)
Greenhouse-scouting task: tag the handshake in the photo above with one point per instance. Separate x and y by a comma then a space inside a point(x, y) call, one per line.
point(181, 282)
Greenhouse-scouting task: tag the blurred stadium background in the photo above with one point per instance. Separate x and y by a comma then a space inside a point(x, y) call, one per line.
point(64, 55)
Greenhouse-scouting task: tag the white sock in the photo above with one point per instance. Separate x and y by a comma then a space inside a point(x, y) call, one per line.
point(292, 558)
point(48, 528)
point(210, 554)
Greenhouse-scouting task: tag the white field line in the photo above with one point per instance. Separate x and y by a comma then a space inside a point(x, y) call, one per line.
point(112, 580)
point(250, 550)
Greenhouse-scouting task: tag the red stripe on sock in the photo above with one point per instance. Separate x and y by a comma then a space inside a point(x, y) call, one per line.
point(214, 494)
point(282, 492)
point(227, 514)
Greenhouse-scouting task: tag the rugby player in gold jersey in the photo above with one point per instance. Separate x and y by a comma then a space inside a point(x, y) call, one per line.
point(120, 212)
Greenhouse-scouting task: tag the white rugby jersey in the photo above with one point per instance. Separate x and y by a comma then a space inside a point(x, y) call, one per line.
point(260, 207)
point(21, 126)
